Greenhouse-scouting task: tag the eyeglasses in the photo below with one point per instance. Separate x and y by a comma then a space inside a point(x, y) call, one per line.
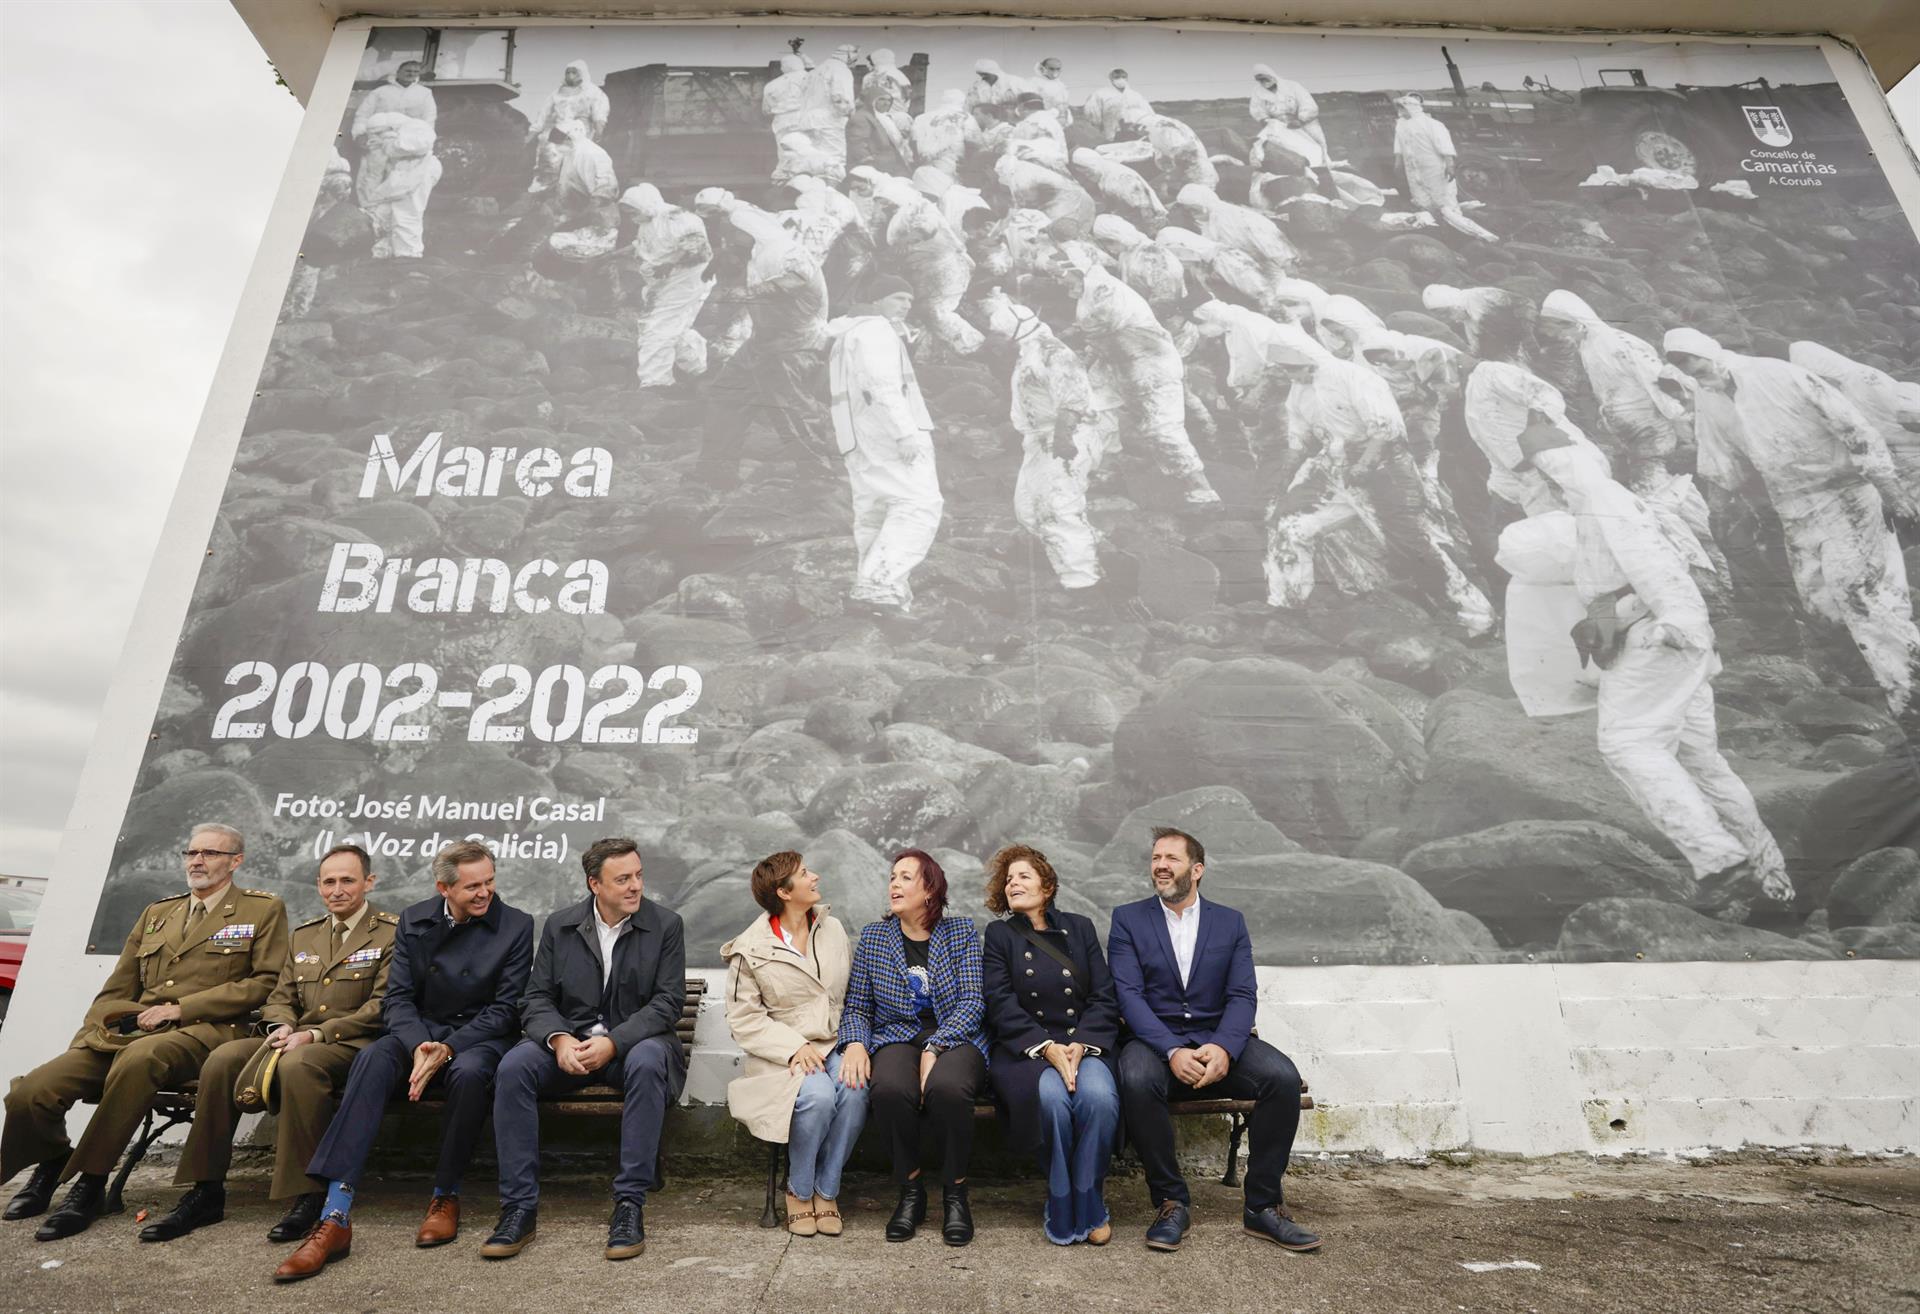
point(191, 854)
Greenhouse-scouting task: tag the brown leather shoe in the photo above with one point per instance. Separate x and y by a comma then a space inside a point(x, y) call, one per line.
point(326, 1243)
point(442, 1223)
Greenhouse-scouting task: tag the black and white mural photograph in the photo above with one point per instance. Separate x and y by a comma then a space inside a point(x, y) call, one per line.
point(1473, 485)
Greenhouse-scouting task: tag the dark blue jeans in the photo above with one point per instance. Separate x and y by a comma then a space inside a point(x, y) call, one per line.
point(650, 1075)
point(378, 1073)
point(1261, 1074)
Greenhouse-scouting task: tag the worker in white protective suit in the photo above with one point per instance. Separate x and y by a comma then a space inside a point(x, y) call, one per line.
point(884, 65)
point(1647, 628)
point(1052, 88)
point(1242, 228)
point(401, 93)
point(1359, 511)
point(1642, 421)
point(670, 253)
point(1217, 268)
point(1118, 186)
point(885, 437)
point(784, 102)
point(1832, 482)
point(1138, 379)
point(586, 183)
point(935, 261)
point(775, 377)
point(943, 135)
point(830, 103)
point(1037, 133)
point(956, 202)
point(1036, 186)
point(1279, 100)
point(835, 234)
point(1179, 154)
point(1110, 108)
point(1288, 116)
point(577, 97)
point(992, 94)
point(1248, 337)
point(1423, 151)
point(1062, 442)
point(1344, 324)
point(1143, 265)
point(1891, 406)
point(397, 172)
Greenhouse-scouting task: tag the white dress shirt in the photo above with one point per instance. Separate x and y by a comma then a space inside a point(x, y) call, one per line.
point(1184, 930)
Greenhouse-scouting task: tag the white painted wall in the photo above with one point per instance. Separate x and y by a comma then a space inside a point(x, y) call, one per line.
point(1536, 1059)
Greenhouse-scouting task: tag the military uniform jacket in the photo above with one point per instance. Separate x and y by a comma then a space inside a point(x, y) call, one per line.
point(336, 993)
point(218, 974)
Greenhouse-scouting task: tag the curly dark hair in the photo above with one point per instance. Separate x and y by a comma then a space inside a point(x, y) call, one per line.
point(1002, 862)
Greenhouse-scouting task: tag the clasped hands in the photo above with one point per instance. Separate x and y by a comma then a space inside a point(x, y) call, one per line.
point(581, 1058)
point(1065, 1060)
point(1200, 1066)
point(429, 1056)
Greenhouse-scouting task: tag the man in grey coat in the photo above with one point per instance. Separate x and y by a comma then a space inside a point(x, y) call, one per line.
point(609, 982)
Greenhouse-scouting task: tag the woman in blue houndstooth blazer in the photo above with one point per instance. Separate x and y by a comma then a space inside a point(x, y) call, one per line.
point(913, 1029)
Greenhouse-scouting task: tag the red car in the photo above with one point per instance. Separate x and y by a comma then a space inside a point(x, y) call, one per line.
point(19, 904)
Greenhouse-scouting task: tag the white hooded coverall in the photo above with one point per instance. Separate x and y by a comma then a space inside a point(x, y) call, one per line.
point(671, 252)
point(1623, 371)
point(1108, 109)
point(943, 135)
point(883, 431)
point(1138, 378)
point(784, 102)
point(1656, 720)
point(1061, 443)
point(397, 174)
point(1424, 149)
point(390, 97)
point(1828, 472)
point(585, 102)
point(1891, 406)
point(935, 261)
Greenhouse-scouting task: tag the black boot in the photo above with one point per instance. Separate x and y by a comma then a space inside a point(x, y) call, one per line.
point(33, 1198)
point(909, 1213)
point(85, 1199)
point(957, 1230)
point(299, 1220)
point(204, 1203)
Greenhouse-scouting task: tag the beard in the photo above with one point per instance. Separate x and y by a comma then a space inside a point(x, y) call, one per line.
point(1182, 887)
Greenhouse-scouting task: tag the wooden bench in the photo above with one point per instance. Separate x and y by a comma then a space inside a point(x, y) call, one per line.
point(169, 1108)
point(1236, 1112)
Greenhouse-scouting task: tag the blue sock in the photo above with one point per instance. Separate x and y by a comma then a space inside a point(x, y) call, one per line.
point(339, 1201)
point(446, 1190)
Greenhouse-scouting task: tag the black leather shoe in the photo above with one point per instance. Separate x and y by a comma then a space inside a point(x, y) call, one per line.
point(514, 1233)
point(957, 1229)
point(1270, 1224)
point(909, 1213)
point(626, 1230)
point(1170, 1228)
point(31, 1200)
point(85, 1199)
point(204, 1203)
point(300, 1218)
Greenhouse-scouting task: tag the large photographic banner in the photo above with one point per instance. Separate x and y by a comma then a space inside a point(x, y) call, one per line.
point(1472, 485)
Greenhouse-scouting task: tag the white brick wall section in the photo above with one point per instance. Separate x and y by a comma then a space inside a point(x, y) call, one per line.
point(1407, 1061)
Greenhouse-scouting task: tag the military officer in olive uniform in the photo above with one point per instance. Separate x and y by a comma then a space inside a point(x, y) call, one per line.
point(324, 1011)
point(194, 968)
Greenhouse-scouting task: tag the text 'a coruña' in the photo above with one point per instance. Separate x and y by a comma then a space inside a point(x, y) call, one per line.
point(480, 472)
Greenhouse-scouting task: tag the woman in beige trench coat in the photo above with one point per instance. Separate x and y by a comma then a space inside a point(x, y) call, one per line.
point(786, 982)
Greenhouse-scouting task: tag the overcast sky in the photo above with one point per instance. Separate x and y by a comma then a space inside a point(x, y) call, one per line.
point(140, 146)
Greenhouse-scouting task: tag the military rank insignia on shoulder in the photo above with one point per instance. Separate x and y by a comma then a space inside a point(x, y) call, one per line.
point(389, 918)
point(311, 922)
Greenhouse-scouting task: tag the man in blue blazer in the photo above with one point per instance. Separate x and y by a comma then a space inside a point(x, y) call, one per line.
point(608, 986)
point(1183, 969)
point(452, 1009)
